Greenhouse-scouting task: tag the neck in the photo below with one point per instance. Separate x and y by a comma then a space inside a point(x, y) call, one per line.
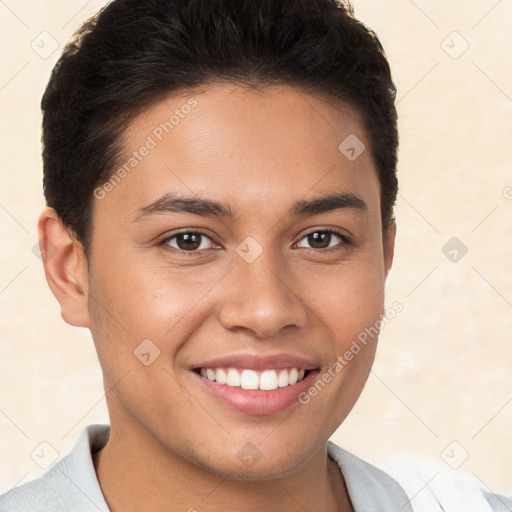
point(150, 478)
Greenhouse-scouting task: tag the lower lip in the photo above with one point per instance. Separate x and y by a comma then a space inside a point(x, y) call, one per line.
point(252, 401)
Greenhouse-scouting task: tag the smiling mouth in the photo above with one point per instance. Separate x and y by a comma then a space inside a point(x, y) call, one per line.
point(245, 378)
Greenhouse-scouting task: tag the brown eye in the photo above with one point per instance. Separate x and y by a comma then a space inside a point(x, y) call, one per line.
point(319, 239)
point(324, 239)
point(187, 241)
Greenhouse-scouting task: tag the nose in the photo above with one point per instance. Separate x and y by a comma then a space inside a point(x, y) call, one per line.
point(262, 298)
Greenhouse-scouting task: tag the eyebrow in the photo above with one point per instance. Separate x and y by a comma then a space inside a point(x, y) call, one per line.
point(172, 203)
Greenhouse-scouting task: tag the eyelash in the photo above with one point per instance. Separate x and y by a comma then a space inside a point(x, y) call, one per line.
point(164, 243)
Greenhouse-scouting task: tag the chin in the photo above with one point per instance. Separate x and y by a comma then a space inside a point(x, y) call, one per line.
point(250, 464)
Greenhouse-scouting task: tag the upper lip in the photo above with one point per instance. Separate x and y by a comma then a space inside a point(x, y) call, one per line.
point(258, 362)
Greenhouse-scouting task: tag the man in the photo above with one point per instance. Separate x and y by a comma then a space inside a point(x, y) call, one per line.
point(220, 180)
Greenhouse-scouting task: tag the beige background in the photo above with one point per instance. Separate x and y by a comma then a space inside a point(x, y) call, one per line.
point(442, 372)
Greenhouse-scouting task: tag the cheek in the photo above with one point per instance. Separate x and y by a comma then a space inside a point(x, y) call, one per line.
point(349, 307)
point(136, 302)
point(350, 298)
point(142, 295)
point(135, 323)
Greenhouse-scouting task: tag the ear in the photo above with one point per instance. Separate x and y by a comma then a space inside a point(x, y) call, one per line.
point(389, 246)
point(65, 267)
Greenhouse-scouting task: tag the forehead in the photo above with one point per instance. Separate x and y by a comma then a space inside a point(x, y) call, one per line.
point(254, 150)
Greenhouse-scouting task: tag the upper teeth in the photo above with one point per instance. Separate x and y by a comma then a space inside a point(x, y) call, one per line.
point(250, 379)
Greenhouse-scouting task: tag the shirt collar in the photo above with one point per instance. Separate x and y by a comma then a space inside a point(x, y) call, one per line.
point(369, 488)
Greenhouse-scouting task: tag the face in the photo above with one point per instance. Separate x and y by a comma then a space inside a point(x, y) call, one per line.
point(263, 277)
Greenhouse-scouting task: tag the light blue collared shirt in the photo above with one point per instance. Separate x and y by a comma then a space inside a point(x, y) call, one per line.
point(72, 485)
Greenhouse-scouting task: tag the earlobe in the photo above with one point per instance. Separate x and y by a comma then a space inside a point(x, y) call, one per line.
point(389, 246)
point(65, 267)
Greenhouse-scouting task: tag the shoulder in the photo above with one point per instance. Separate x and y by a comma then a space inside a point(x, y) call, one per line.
point(415, 485)
point(44, 493)
point(70, 484)
point(433, 485)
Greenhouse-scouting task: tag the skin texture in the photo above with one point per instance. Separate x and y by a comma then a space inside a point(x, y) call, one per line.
point(173, 446)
